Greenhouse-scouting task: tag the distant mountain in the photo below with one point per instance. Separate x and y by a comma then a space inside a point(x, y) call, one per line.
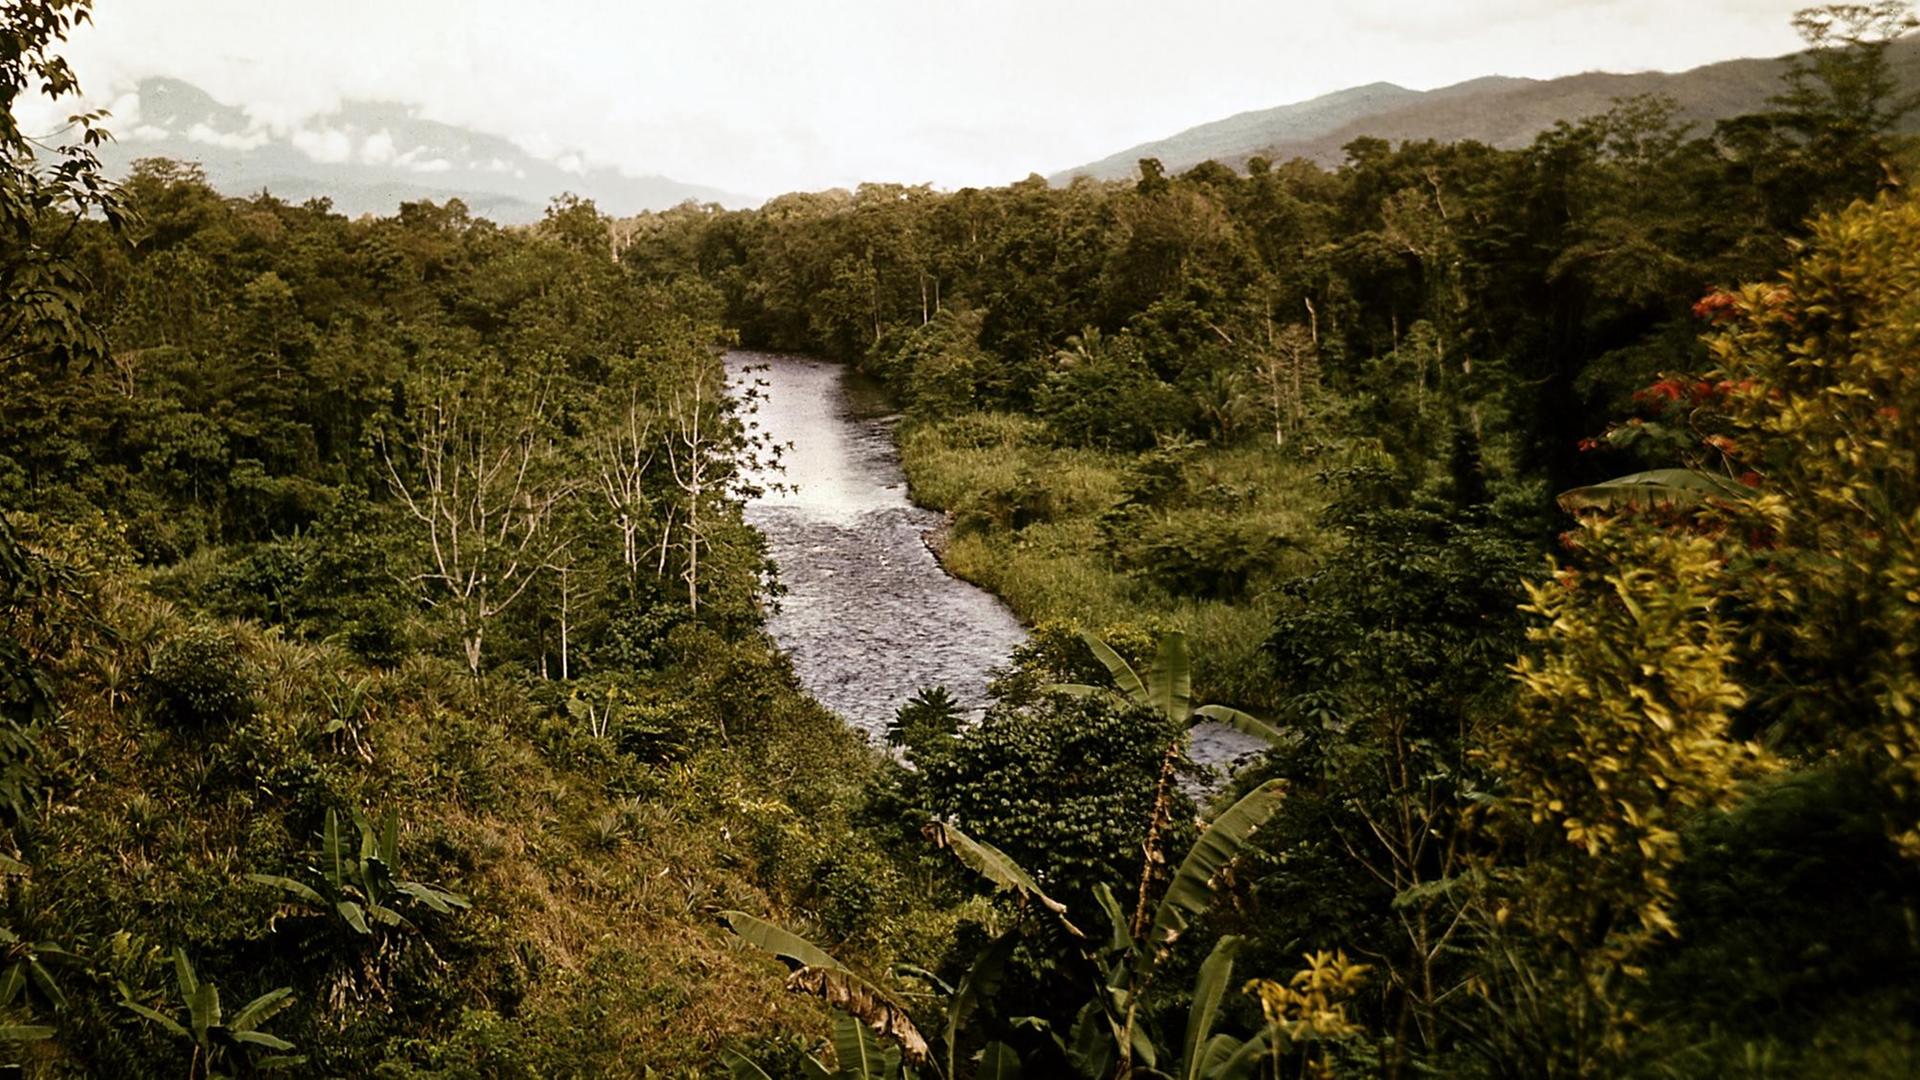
point(369, 157)
point(1501, 112)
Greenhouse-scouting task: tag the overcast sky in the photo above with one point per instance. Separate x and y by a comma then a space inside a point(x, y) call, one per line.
point(764, 96)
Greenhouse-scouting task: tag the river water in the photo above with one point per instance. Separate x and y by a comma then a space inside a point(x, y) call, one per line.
point(869, 616)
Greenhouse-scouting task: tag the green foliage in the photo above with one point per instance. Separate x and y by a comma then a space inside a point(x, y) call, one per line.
point(927, 723)
point(1063, 785)
point(200, 678)
point(219, 1044)
point(359, 885)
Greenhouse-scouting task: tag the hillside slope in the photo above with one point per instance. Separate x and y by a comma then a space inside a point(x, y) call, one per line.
point(1502, 112)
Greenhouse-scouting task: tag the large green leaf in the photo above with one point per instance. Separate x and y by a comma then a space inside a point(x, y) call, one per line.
point(1192, 887)
point(262, 1039)
point(996, 866)
point(299, 890)
point(1658, 487)
point(43, 979)
point(439, 900)
point(1121, 938)
point(26, 1032)
point(1244, 723)
point(1123, 674)
point(333, 856)
point(1170, 680)
point(1243, 1060)
point(981, 982)
point(1082, 690)
point(183, 974)
point(390, 838)
point(158, 1017)
point(203, 1007)
point(261, 1009)
point(741, 1067)
point(1209, 987)
point(860, 1055)
point(354, 916)
point(781, 942)
point(997, 1062)
point(1091, 1047)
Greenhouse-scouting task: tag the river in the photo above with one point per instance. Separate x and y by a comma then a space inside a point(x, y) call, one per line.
point(869, 616)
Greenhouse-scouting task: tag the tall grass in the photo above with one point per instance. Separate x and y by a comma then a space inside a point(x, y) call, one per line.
point(1058, 568)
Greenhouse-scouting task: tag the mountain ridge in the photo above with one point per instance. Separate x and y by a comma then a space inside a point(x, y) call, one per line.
point(1503, 111)
point(370, 156)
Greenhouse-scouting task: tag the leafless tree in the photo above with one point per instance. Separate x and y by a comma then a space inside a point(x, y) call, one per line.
point(476, 465)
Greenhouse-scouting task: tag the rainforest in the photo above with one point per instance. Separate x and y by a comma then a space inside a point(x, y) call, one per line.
point(1453, 613)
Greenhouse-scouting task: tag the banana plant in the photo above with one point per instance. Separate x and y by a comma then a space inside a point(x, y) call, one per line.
point(219, 1042)
point(358, 884)
point(25, 973)
point(862, 1009)
point(1167, 691)
point(1108, 1033)
point(1656, 487)
point(1166, 688)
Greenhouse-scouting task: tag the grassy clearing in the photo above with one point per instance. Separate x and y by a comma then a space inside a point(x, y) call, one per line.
point(1028, 527)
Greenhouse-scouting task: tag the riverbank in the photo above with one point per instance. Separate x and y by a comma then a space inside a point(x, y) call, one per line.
point(1037, 525)
point(865, 610)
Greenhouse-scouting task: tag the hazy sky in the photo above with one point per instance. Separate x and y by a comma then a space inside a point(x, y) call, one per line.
point(763, 96)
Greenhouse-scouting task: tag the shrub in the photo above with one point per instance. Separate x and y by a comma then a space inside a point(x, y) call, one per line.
point(1065, 786)
point(199, 678)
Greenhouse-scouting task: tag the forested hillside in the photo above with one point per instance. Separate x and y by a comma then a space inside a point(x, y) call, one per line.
point(1547, 545)
point(381, 647)
point(384, 687)
point(1500, 111)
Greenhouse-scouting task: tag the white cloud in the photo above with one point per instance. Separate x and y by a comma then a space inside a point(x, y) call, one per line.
point(572, 163)
point(230, 140)
point(329, 146)
point(143, 133)
point(378, 148)
point(770, 95)
point(125, 109)
point(431, 165)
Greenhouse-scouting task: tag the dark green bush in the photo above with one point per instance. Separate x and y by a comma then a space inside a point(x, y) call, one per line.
point(1064, 785)
point(199, 678)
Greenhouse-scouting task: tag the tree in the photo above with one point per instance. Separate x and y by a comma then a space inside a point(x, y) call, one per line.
point(1823, 410)
point(696, 432)
point(41, 207)
point(1842, 97)
point(1623, 734)
point(1391, 654)
point(1288, 371)
point(477, 463)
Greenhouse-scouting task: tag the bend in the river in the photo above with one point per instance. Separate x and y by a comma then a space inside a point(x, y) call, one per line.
point(869, 616)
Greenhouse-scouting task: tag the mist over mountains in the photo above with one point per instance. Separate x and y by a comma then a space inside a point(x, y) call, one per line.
point(369, 157)
point(1506, 113)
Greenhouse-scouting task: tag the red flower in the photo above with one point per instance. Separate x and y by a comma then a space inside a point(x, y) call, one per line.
point(1717, 306)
